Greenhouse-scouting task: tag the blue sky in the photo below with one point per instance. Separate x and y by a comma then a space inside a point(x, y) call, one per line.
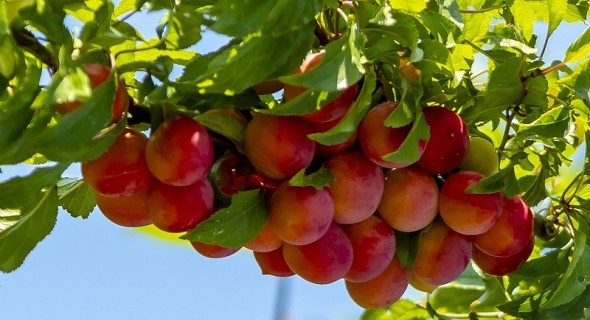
point(93, 269)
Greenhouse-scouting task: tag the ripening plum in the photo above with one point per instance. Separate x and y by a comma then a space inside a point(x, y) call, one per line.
point(499, 266)
point(98, 74)
point(300, 215)
point(278, 147)
point(378, 140)
point(357, 187)
point(122, 169)
point(443, 255)
point(333, 110)
point(323, 261)
point(180, 152)
point(448, 143)
point(273, 263)
point(469, 214)
point(383, 290)
point(409, 70)
point(213, 250)
point(373, 247)
point(410, 199)
point(127, 211)
point(481, 157)
point(178, 209)
point(266, 240)
point(511, 232)
point(421, 285)
point(329, 151)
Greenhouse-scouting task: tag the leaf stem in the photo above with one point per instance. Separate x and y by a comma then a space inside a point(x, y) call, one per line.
point(127, 16)
point(546, 41)
point(550, 69)
point(510, 114)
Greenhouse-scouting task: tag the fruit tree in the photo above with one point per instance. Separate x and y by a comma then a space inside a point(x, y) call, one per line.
point(382, 143)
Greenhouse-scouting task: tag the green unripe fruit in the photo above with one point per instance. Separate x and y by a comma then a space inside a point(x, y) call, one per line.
point(481, 157)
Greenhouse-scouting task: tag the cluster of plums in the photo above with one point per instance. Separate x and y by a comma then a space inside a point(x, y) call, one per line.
point(345, 230)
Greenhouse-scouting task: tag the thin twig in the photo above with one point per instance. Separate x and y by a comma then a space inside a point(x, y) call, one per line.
point(127, 16)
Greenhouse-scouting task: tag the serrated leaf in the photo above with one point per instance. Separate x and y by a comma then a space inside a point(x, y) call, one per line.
point(319, 179)
point(235, 225)
point(552, 124)
point(579, 49)
point(28, 211)
point(255, 59)
point(579, 80)
point(409, 151)
point(537, 191)
point(347, 126)
point(339, 69)
point(385, 27)
point(75, 197)
point(58, 142)
point(184, 27)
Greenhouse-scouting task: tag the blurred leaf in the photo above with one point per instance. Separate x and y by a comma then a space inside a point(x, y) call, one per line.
point(75, 197)
point(28, 211)
point(319, 179)
point(235, 225)
point(403, 309)
point(339, 69)
point(347, 126)
point(413, 6)
point(552, 124)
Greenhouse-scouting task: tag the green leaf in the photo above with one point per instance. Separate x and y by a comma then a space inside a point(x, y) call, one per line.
point(255, 59)
point(579, 80)
point(552, 124)
point(58, 142)
point(125, 6)
point(403, 309)
point(406, 247)
point(225, 124)
point(409, 151)
point(579, 49)
point(347, 126)
point(413, 6)
point(306, 102)
point(184, 27)
point(339, 69)
point(504, 89)
point(319, 179)
point(385, 27)
point(577, 277)
point(501, 181)
point(268, 17)
point(235, 225)
point(537, 191)
point(75, 197)
point(28, 211)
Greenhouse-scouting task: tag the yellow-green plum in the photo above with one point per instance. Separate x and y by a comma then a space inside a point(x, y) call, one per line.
point(481, 157)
